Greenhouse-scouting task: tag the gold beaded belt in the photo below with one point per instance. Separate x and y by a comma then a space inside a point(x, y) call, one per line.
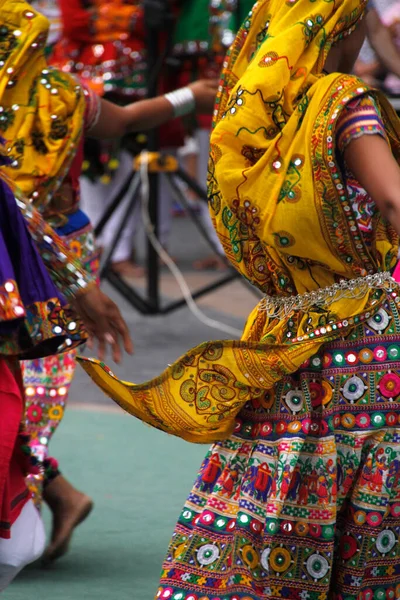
point(282, 307)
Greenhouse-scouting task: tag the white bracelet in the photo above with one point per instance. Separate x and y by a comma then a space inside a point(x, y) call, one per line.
point(182, 100)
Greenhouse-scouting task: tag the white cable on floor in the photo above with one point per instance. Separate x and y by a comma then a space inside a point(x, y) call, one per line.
point(168, 260)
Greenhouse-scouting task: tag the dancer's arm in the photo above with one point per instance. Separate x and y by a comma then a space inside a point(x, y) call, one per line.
point(371, 161)
point(100, 315)
point(114, 121)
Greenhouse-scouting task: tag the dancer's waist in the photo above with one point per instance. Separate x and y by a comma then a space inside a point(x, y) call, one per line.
point(280, 307)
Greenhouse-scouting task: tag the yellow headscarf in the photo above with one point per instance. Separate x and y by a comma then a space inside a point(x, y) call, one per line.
point(280, 207)
point(41, 110)
point(277, 195)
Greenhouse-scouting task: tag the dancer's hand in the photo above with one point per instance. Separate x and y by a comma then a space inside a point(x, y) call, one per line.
point(104, 323)
point(205, 91)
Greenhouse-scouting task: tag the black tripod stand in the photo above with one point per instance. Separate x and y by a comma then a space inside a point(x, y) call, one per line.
point(158, 19)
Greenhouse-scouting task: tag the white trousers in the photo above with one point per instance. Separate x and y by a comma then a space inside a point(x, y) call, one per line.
point(27, 544)
point(96, 197)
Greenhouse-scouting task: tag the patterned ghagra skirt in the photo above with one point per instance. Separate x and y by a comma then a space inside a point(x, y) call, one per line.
point(47, 381)
point(303, 501)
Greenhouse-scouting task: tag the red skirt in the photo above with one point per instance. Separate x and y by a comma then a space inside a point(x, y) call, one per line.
point(13, 491)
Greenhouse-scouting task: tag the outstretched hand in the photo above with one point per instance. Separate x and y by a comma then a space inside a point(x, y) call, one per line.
point(104, 323)
point(205, 91)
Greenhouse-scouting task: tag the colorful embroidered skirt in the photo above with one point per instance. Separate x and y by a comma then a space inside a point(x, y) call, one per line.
point(303, 501)
point(47, 380)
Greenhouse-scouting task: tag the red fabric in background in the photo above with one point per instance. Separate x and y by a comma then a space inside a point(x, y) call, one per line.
point(86, 27)
point(102, 21)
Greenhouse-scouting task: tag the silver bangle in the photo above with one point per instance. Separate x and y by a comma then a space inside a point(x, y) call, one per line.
point(182, 100)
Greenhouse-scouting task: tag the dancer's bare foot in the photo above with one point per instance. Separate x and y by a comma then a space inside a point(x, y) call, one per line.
point(214, 263)
point(127, 268)
point(69, 508)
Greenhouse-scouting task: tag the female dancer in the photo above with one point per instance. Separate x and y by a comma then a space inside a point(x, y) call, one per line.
point(44, 114)
point(34, 323)
point(300, 498)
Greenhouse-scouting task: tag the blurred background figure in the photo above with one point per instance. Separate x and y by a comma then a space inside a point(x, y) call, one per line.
point(104, 43)
point(205, 29)
point(379, 62)
point(391, 20)
point(51, 10)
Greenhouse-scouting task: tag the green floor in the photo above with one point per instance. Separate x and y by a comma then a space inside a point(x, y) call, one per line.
point(138, 478)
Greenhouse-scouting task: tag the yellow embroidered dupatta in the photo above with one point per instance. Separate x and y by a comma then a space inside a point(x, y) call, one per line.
point(280, 207)
point(41, 109)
